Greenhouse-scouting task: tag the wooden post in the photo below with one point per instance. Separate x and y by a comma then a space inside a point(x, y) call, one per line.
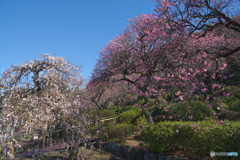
point(44, 139)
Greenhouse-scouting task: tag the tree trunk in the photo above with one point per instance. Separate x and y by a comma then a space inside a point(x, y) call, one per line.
point(148, 116)
point(73, 152)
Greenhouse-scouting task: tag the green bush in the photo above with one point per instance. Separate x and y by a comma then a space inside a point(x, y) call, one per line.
point(232, 103)
point(115, 109)
point(134, 117)
point(162, 136)
point(93, 130)
point(200, 110)
point(105, 113)
point(127, 108)
point(182, 111)
point(230, 115)
point(197, 109)
point(121, 131)
point(209, 136)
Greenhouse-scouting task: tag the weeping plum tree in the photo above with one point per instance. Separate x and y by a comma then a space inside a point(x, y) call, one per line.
point(156, 57)
point(39, 92)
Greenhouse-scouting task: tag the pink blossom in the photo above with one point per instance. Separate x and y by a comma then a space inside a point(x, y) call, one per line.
point(204, 54)
point(226, 94)
point(179, 92)
point(181, 98)
point(213, 76)
point(157, 78)
point(177, 131)
point(204, 89)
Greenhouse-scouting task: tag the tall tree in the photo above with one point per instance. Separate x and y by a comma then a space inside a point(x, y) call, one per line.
point(157, 57)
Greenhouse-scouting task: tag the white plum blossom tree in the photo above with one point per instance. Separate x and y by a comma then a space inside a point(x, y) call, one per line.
point(39, 92)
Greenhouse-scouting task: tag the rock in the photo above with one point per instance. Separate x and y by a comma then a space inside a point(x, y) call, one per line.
point(122, 155)
point(105, 146)
point(131, 155)
point(117, 150)
point(126, 149)
point(160, 156)
point(173, 158)
point(147, 156)
point(154, 156)
point(140, 155)
point(109, 147)
point(113, 150)
point(97, 144)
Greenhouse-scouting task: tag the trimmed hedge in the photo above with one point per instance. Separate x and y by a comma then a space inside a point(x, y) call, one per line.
point(134, 117)
point(121, 131)
point(209, 136)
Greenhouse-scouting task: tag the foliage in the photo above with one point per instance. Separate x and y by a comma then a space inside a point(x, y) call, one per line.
point(105, 113)
point(200, 138)
point(230, 115)
point(134, 117)
point(128, 108)
point(121, 131)
point(115, 109)
point(232, 103)
point(200, 110)
point(93, 130)
point(188, 110)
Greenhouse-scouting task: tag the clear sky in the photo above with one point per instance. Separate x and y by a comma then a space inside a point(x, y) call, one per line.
point(73, 29)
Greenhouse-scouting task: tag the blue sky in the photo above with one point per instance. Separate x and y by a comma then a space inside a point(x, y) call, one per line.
point(73, 29)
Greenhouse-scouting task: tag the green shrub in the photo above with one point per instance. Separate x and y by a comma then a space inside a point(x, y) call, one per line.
point(134, 117)
point(115, 109)
point(182, 111)
point(232, 103)
point(209, 136)
point(93, 130)
point(121, 131)
point(197, 109)
point(105, 113)
point(162, 136)
point(230, 115)
point(200, 110)
point(127, 108)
